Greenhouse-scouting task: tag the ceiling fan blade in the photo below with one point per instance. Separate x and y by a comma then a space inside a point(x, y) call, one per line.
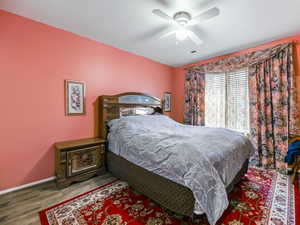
point(194, 37)
point(167, 34)
point(161, 14)
point(151, 34)
point(213, 12)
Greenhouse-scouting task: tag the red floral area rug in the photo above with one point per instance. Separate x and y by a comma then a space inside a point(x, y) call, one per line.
point(261, 198)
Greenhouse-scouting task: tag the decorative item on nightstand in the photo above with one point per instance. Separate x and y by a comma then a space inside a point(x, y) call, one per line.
point(79, 160)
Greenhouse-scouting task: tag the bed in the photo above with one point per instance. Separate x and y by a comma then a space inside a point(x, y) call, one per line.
point(176, 194)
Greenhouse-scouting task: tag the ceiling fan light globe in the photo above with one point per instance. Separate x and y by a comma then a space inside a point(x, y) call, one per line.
point(181, 34)
point(182, 23)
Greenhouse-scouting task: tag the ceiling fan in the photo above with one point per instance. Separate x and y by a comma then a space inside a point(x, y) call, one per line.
point(183, 20)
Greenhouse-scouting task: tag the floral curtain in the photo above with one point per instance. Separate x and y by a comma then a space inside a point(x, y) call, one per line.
point(274, 116)
point(233, 63)
point(224, 65)
point(194, 98)
point(273, 110)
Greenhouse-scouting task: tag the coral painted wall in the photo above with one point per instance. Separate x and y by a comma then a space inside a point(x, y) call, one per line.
point(35, 59)
point(178, 80)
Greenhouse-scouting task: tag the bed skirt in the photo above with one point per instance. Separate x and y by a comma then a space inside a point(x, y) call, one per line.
point(165, 192)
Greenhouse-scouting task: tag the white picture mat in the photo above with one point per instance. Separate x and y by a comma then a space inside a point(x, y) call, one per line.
point(75, 93)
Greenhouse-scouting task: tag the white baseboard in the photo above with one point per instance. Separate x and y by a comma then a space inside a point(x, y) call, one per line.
point(26, 185)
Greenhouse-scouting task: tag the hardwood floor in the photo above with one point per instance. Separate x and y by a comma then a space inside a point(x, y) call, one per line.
point(22, 207)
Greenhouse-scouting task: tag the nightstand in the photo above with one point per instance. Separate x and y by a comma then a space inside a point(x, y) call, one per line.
point(78, 160)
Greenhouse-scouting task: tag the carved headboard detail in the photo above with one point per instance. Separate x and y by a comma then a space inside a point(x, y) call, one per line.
point(125, 104)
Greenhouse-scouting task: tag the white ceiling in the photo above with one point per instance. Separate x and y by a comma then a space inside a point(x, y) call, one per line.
point(131, 26)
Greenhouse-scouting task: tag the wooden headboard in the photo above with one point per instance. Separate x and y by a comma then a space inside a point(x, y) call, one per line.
point(125, 104)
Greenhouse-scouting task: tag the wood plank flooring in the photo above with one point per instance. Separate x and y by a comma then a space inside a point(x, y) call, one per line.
point(22, 207)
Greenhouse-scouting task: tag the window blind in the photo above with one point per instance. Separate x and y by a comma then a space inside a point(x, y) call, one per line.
point(227, 100)
point(215, 100)
point(238, 100)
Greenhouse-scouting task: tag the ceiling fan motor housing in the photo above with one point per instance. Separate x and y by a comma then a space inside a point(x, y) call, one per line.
point(182, 17)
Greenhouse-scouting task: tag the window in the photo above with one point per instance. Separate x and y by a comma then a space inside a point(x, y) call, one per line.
point(227, 100)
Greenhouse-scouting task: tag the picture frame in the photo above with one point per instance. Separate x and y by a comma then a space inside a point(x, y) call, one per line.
point(75, 97)
point(167, 102)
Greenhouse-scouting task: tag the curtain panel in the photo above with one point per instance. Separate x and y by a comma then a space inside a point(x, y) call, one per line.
point(274, 113)
point(194, 113)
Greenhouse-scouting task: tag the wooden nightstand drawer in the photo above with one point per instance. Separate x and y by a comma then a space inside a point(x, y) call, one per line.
point(79, 160)
point(84, 159)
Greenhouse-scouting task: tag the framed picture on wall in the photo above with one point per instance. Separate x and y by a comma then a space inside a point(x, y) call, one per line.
point(167, 102)
point(75, 97)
